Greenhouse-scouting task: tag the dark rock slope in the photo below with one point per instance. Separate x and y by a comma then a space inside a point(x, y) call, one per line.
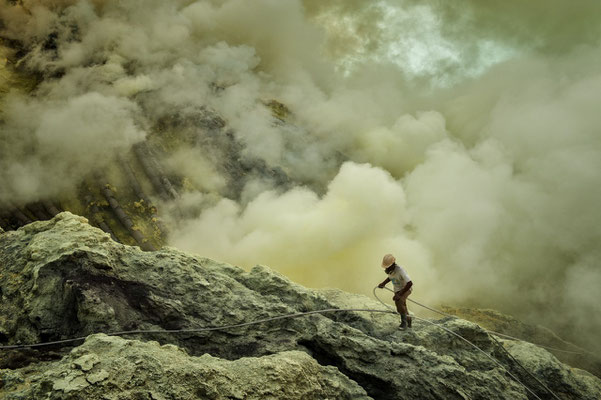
point(62, 278)
point(566, 352)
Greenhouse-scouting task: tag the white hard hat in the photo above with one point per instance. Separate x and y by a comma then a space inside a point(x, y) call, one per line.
point(388, 260)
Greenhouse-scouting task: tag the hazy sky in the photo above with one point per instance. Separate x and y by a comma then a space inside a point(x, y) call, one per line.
point(413, 40)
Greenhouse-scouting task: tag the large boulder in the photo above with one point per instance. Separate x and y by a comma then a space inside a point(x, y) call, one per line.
point(62, 278)
point(112, 368)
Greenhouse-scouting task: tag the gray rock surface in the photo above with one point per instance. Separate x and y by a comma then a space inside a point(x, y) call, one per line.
point(112, 368)
point(566, 352)
point(62, 278)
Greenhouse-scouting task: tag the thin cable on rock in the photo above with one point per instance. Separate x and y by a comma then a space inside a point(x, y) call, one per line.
point(478, 348)
point(197, 330)
point(286, 316)
point(498, 333)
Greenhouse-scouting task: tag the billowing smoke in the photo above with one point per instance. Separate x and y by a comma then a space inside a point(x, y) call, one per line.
point(463, 138)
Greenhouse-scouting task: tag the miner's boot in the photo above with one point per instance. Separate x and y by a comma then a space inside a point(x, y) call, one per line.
point(403, 325)
point(409, 320)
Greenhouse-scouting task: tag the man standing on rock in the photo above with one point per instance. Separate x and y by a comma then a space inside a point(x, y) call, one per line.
point(402, 288)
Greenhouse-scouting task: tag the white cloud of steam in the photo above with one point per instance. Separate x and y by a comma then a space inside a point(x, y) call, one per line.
point(403, 146)
point(519, 209)
point(49, 145)
point(361, 215)
point(487, 191)
point(198, 170)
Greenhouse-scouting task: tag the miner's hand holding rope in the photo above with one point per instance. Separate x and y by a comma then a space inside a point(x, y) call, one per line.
point(402, 288)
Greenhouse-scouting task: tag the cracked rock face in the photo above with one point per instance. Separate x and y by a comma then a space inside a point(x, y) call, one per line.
point(106, 367)
point(62, 278)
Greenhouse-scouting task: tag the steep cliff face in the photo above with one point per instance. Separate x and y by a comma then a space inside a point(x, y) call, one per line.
point(133, 194)
point(63, 278)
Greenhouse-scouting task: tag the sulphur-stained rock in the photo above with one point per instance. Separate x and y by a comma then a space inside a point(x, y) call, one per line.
point(566, 352)
point(62, 279)
point(86, 362)
point(546, 368)
point(130, 369)
point(7, 76)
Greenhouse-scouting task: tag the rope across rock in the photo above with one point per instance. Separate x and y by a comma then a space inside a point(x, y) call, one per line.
point(388, 310)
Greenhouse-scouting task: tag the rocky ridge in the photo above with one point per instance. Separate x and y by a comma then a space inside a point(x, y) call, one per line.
point(566, 352)
point(63, 278)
